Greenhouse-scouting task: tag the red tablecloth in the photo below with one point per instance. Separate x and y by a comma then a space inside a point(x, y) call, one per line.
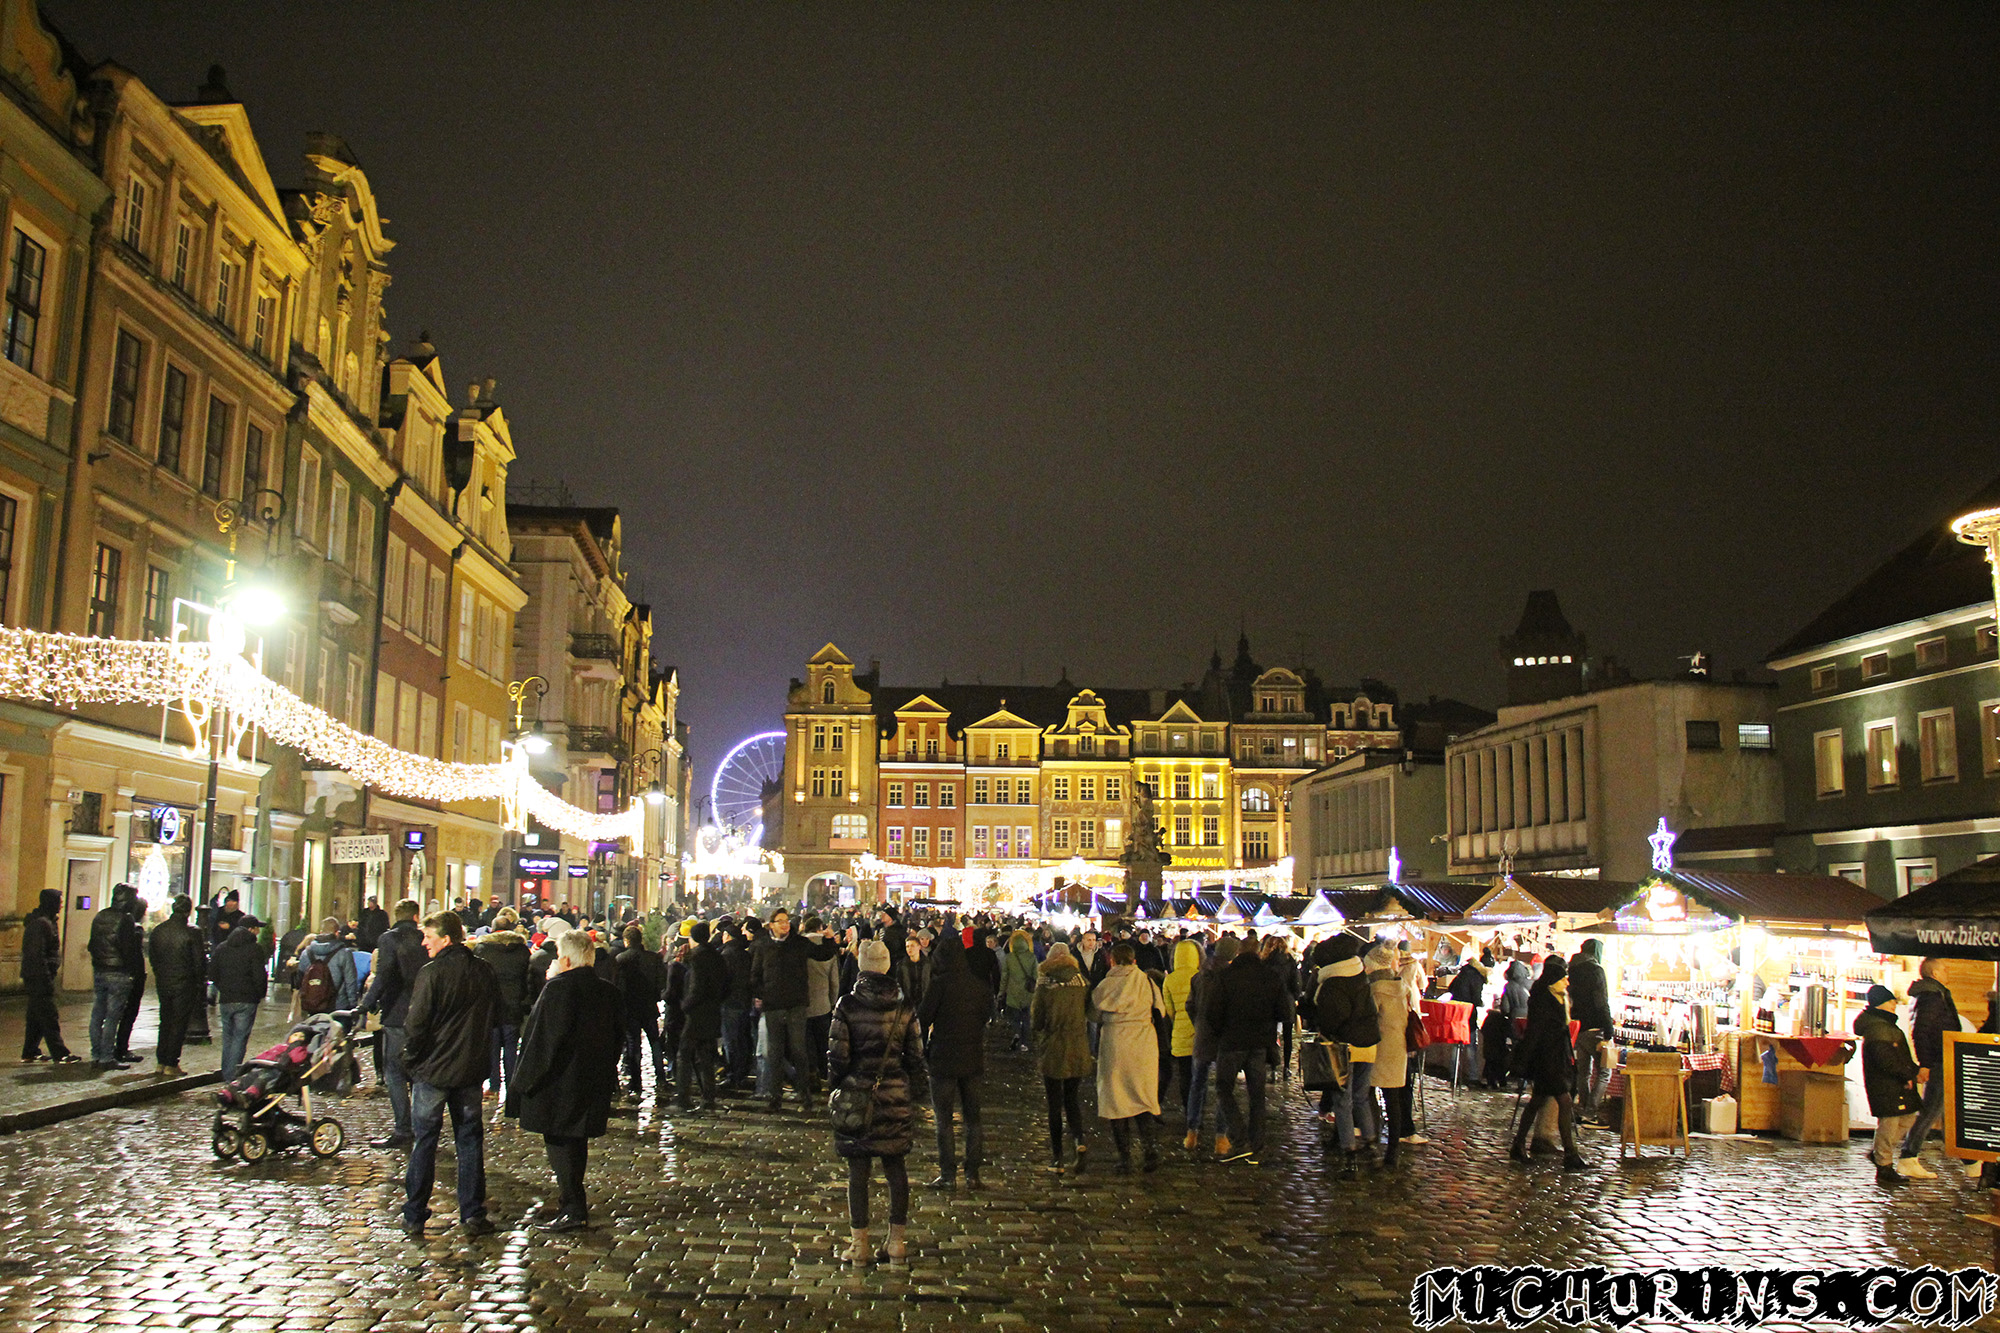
point(1449, 1022)
point(1815, 1051)
point(1689, 1063)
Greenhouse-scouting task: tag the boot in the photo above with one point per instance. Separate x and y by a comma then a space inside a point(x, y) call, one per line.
point(1913, 1168)
point(1575, 1161)
point(1886, 1175)
point(1347, 1168)
point(1192, 1141)
point(897, 1249)
point(1222, 1146)
point(1082, 1159)
point(1152, 1159)
point(1519, 1152)
point(1389, 1157)
point(857, 1248)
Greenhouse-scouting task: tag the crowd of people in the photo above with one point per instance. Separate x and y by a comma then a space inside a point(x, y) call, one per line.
point(554, 1017)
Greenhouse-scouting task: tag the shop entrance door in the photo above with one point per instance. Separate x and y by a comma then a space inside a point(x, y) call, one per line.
point(83, 895)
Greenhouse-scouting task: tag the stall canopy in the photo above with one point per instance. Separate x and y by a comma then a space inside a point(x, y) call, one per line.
point(1954, 917)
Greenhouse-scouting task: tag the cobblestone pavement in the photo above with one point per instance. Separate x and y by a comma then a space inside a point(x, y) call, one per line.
point(126, 1219)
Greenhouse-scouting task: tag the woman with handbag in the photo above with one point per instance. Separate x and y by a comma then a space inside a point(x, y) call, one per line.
point(1391, 1070)
point(875, 1057)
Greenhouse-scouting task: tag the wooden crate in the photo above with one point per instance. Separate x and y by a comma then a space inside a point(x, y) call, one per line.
point(1812, 1105)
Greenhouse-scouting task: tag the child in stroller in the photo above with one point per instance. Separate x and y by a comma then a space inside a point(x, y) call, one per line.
point(251, 1118)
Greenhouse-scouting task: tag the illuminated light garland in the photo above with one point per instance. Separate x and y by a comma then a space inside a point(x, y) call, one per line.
point(67, 670)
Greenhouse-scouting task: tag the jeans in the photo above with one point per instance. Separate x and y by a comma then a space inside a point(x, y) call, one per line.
point(109, 990)
point(237, 1020)
point(1251, 1063)
point(785, 1042)
point(646, 1026)
point(897, 1169)
point(427, 1107)
point(177, 1005)
point(1019, 1016)
point(946, 1092)
point(1913, 1142)
point(506, 1050)
point(737, 1039)
point(1354, 1108)
point(397, 1080)
point(1197, 1090)
point(1596, 1057)
point(568, 1156)
point(1065, 1099)
point(696, 1062)
point(44, 1025)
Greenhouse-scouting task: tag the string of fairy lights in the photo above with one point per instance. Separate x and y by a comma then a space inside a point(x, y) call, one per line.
point(67, 670)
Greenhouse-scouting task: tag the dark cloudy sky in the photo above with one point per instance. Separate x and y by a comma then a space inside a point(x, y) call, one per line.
point(992, 339)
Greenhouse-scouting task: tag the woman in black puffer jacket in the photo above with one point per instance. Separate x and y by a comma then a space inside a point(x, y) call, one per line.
point(871, 1024)
point(1547, 1060)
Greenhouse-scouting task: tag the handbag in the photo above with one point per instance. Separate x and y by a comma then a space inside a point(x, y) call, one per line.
point(1415, 1035)
point(1319, 1068)
point(851, 1106)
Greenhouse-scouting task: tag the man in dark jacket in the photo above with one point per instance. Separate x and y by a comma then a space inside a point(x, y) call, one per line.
point(1344, 1012)
point(1890, 1076)
point(136, 996)
point(370, 926)
point(706, 986)
point(505, 949)
point(238, 969)
point(953, 1015)
point(568, 1072)
point(117, 960)
point(450, 1030)
point(1933, 1014)
point(41, 965)
point(739, 1042)
point(642, 976)
point(778, 986)
point(399, 956)
point(1249, 1003)
point(1590, 1006)
point(180, 975)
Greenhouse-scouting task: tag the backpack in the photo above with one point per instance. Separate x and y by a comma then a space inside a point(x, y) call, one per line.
point(316, 989)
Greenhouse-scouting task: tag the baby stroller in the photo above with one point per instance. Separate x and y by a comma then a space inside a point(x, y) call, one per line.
point(251, 1118)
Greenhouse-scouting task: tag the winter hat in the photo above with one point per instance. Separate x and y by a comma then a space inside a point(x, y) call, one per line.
point(1880, 995)
point(1554, 969)
point(873, 955)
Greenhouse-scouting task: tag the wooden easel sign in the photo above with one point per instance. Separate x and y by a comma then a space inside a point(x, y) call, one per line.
point(1972, 1096)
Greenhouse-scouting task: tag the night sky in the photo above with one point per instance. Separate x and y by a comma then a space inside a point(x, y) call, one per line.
point(990, 340)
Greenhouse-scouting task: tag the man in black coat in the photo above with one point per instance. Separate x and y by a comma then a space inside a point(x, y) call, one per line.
point(449, 1048)
point(703, 992)
point(1248, 1002)
point(399, 956)
point(778, 986)
point(41, 965)
point(641, 979)
point(954, 1013)
point(117, 962)
point(370, 926)
point(568, 1071)
point(1590, 1006)
point(180, 975)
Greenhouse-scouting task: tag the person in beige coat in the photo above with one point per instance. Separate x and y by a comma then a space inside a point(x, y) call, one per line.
point(1391, 1071)
point(1125, 1005)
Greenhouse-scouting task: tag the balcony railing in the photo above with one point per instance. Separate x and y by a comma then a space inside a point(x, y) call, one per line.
point(598, 647)
point(595, 740)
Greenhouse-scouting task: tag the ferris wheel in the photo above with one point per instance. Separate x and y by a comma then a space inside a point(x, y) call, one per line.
point(736, 792)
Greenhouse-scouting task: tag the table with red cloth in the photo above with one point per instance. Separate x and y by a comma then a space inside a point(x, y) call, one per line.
point(1449, 1022)
point(1689, 1064)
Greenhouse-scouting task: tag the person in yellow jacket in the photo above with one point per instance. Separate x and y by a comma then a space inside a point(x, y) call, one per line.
point(1176, 988)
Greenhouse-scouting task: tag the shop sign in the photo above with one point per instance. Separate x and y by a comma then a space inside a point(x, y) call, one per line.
point(358, 849)
point(1664, 903)
point(536, 865)
point(579, 870)
point(415, 839)
point(167, 824)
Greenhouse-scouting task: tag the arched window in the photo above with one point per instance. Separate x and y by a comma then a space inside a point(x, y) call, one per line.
point(1257, 800)
point(826, 693)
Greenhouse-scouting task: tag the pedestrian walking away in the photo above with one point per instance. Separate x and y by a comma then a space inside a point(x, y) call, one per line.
point(449, 1031)
point(568, 1071)
point(701, 1012)
point(1545, 1058)
point(1125, 1004)
point(399, 956)
point(954, 1012)
point(41, 965)
point(504, 949)
point(1933, 1013)
point(240, 973)
point(642, 979)
point(1344, 1013)
point(1250, 1004)
point(875, 1044)
point(1060, 1021)
point(1017, 985)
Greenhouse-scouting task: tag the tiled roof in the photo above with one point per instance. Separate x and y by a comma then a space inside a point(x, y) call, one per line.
point(1565, 895)
point(1751, 896)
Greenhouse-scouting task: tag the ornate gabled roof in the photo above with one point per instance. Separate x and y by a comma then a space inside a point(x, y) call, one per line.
point(829, 656)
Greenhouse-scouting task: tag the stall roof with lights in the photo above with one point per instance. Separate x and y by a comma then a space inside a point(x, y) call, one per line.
point(1954, 917)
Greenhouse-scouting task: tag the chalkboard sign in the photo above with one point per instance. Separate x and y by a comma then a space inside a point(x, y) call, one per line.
point(1972, 1096)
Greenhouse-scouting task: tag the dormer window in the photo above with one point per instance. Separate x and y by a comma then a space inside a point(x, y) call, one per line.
point(1087, 745)
point(826, 692)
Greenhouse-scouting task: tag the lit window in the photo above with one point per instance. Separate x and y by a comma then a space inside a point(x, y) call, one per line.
point(895, 843)
point(1061, 791)
point(979, 791)
point(979, 843)
point(1257, 800)
point(1114, 789)
point(920, 795)
point(1937, 745)
point(896, 795)
point(24, 301)
point(947, 796)
point(1059, 835)
point(1882, 755)
point(1753, 735)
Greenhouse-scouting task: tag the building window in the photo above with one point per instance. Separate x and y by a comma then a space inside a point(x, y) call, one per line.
point(819, 736)
point(895, 842)
point(253, 461)
point(1753, 735)
point(819, 782)
point(947, 843)
point(1257, 845)
point(337, 509)
point(1704, 735)
point(836, 782)
point(1210, 786)
point(1211, 830)
point(1002, 844)
point(159, 604)
point(1881, 755)
point(183, 253)
point(1257, 800)
point(460, 721)
point(134, 231)
point(1086, 789)
point(979, 791)
point(1181, 830)
point(104, 592)
point(24, 301)
point(1989, 735)
point(173, 419)
point(363, 562)
point(1930, 652)
point(1874, 666)
point(307, 500)
point(1937, 745)
point(260, 328)
point(1060, 790)
point(1825, 677)
point(920, 795)
point(215, 448)
point(1114, 834)
point(128, 360)
point(1059, 835)
point(920, 842)
point(1913, 874)
point(1114, 789)
point(1854, 872)
point(826, 695)
point(1024, 792)
point(465, 611)
point(10, 513)
point(839, 737)
point(1985, 639)
point(931, 750)
point(850, 826)
point(895, 801)
point(225, 288)
point(415, 585)
point(979, 840)
point(1001, 751)
point(1024, 843)
point(1002, 789)
point(1182, 787)
point(1269, 747)
point(947, 796)
point(1179, 742)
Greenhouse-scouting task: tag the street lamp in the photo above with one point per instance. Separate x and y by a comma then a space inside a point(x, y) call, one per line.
point(1981, 527)
point(654, 761)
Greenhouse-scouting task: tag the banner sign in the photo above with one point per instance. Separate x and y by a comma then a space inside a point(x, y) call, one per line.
point(358, 848)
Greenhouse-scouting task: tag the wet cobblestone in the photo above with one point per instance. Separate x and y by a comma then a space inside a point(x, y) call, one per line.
point(125, 1219)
